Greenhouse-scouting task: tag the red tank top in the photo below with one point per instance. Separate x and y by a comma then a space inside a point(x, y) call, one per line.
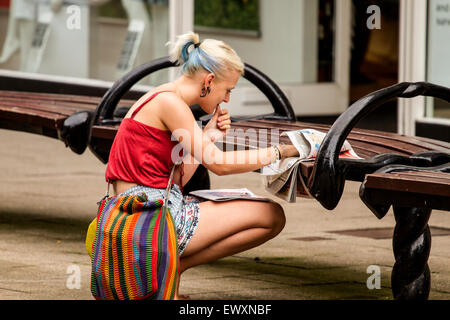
point(141, 153)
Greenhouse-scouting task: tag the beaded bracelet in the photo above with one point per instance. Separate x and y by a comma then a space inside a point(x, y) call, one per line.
point(277, 153)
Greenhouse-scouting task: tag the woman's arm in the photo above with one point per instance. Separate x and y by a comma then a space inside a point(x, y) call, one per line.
point(189, 168)
point(216, 128)
point(179, 119)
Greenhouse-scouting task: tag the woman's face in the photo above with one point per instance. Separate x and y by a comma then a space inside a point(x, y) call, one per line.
point(220, 90)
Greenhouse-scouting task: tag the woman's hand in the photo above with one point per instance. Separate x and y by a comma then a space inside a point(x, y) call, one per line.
point(218, 125)
point(288, 150)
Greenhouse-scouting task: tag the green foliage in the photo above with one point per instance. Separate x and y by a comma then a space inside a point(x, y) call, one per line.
point(112, 9)
point(227, 14)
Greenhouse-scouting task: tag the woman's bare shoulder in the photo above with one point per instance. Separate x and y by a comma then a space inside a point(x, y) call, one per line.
point(170, 103)
point(171, 107)
point(163, 109)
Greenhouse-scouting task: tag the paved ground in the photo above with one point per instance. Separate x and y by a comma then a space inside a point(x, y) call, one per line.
point(48, 195)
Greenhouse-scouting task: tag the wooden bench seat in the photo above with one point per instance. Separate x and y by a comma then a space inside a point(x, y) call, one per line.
point(414, 182)
point(45, 113)
point(408, 188)
point(366, 143)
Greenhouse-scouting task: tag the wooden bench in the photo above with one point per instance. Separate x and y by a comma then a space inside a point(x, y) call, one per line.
point(407, 188)
point(45, 114)
point(92, 122)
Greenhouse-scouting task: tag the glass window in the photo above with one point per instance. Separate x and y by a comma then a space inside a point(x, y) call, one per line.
point(98, 39)
point(438, 53)
point(292, 41)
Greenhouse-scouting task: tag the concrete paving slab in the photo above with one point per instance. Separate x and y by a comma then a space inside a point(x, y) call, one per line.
point(48, 196)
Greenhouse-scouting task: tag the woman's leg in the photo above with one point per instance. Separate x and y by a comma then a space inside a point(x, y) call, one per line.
point(227, 228)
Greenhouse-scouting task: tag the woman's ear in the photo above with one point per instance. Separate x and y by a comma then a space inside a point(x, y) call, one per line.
point(206, 84)
point(209, 79)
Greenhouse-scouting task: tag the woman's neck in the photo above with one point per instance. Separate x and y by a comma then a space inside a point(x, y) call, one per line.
point(187, 89)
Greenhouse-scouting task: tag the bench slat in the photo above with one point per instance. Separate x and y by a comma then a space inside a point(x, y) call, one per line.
point(398, 143)
point(429, 174)
point(45, 99)
point(365, 146)
point(36, 109)
point(382, 134)
point(38, 118)
point(421, 182)
point(49, 97)
point(418, 141)
point(72, 102)
point(365, 151)
point(72, 106)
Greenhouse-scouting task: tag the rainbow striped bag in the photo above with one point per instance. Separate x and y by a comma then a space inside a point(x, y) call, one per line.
point(135, 251)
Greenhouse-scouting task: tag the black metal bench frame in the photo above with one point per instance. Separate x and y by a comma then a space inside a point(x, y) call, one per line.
point(410, 276)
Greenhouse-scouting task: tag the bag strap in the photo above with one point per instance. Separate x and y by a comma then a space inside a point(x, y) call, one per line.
point(166, 193)
point(105, 197)
point(169, 185)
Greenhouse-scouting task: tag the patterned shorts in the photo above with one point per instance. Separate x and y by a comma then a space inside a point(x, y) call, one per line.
point(185, 210)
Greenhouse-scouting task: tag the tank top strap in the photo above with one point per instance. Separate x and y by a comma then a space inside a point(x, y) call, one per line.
point(145, 101)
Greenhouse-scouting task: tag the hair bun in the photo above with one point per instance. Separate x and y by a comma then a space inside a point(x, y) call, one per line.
point(216, 56)
point(180, 50)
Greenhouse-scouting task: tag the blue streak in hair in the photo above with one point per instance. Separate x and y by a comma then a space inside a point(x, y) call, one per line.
point(198, 58)
point(184, 50)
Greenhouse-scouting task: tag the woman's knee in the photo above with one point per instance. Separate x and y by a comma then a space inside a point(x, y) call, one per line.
point(277, 218)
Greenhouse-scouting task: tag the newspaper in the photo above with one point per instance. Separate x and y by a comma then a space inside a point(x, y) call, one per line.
point(227, 194)
point(283, 178)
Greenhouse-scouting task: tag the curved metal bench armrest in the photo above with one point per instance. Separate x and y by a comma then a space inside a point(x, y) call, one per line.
point(327, 180)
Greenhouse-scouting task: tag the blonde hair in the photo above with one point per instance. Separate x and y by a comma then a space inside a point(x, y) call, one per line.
point(214, 56)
